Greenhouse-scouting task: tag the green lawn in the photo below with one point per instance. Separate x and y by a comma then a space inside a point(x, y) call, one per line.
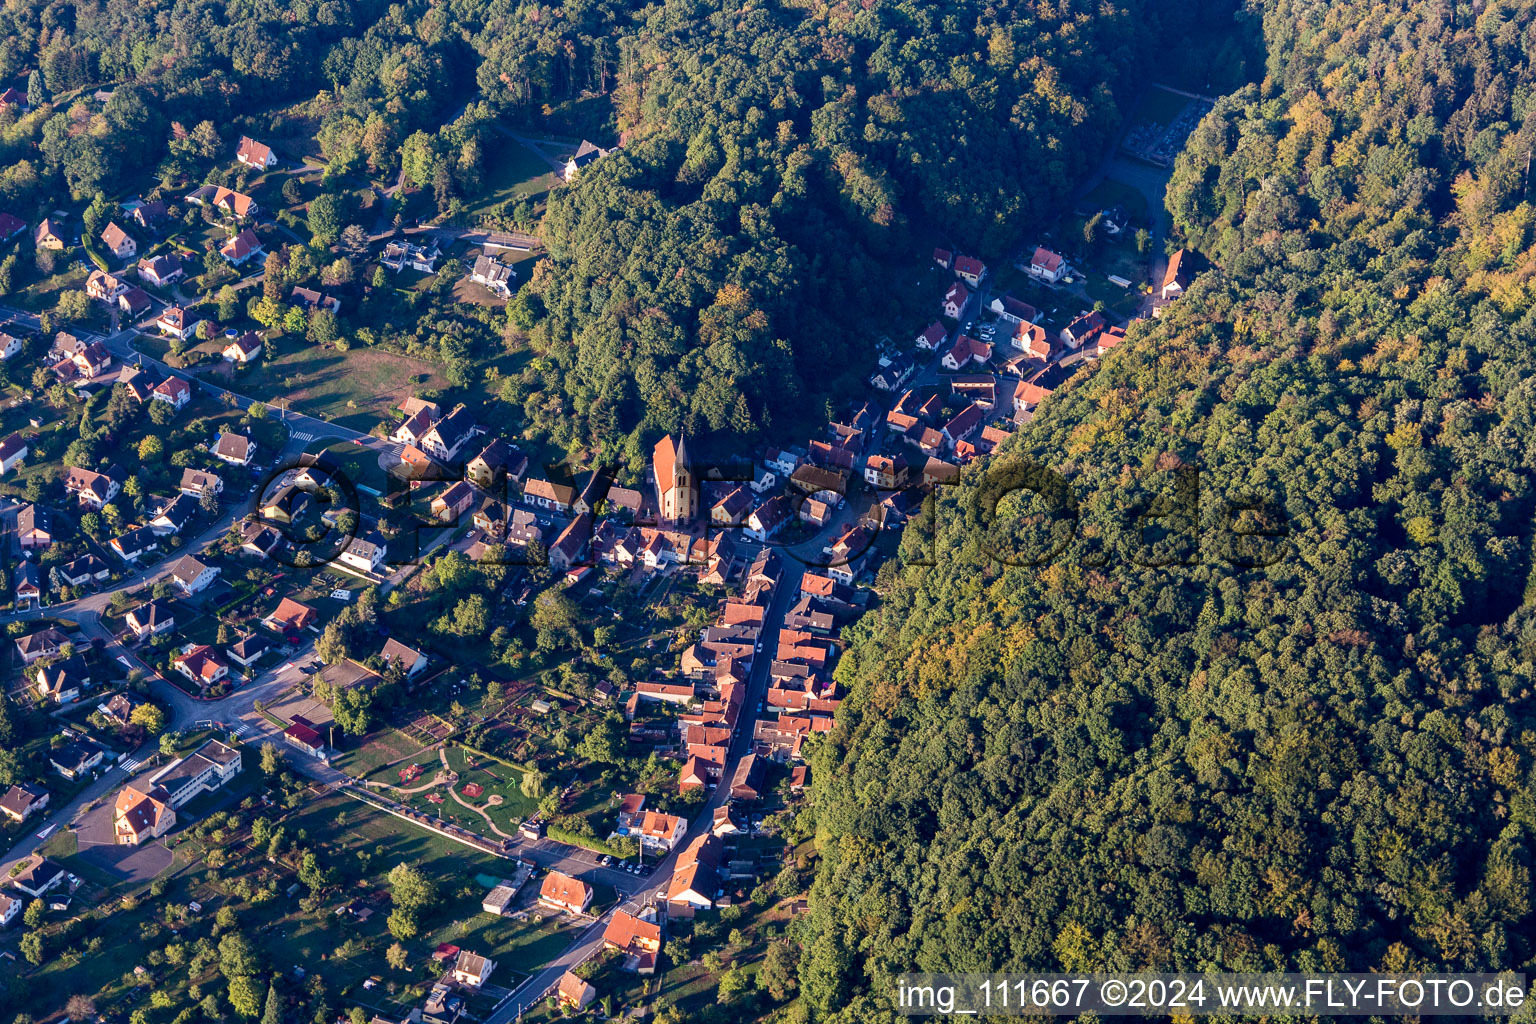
point(512, 172)
point(354, 388)
point(379, 749)
point(1109, 192)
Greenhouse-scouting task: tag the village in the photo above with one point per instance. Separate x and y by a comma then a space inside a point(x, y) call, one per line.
point(220, 589)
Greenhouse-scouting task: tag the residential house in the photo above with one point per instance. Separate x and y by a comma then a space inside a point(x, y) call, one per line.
point(10, 910)
point(677, 492)
point(543, 493)
point(695, 878)
point(1084, 328)
point(227, 200)
point(38, 876)
point(932, 337)
point(191, 576)
point(151, 618)
point(23, 800)
point(587, 153)
point(47, 236)
point(10, 346)
point(161, 270)
point(944, 258)
point(1176, 278)
point(311, 300)
point(769, 518)
point(747, 782)
point(1014, 311)
point(445, 438)
point(135, 302)
point(1110, 337)
point(45, 643)
point(886, 472)
point(34, 528)
point(136, 381)
point(963, 424)
point(493, 274)
point(253, 154)
point(150, 215)
point(245, 349)
point(472, 969)
point(197, 482)
point(661, 831)
point(573, 994)
point(91, 489)
point(174, 391)
point(259, 539)
point(365, 552)
point(966, 350)
point(290, 617)
point(971, 270)
point(240, 247)
point(236, 449)
point(571, 544)
point(119, 710)
point(523, 528)
point(491, 464)
point(400, 254)
point(27, 586)
point(409, 659)
point(820, 483)
point(174, 515)
point(201, 664)
point(13, 452)
point(637, 938)
point(134, 543)
point(937, 472)
point(75, 758)
point(892, 373)
point(176, 322)
point(562, 892)
point(955, 301)
point(415, 426)
point(247, 649)
point(1033, 341)
point(1047, 265)
point(104, 286)
point(732, 508)
point(453, 502)
point(119, 242)
point(85, 569)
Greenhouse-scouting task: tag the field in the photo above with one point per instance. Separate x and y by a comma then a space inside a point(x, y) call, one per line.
point(354, 388)
point(381, 748)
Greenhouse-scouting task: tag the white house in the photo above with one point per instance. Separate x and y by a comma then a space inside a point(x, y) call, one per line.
point(366, 552)
point(1047, 265)
point(174, 391)
point(13, 452)
point(192, 576)
point(244, 349)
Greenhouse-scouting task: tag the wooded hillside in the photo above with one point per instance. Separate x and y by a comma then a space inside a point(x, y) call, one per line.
point(1322, 764)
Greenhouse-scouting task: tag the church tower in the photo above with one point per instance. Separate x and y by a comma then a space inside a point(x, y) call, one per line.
point(677, 495)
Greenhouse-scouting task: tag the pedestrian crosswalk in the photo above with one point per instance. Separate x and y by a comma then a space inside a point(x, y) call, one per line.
point(238, 729)
point(129, 765)
point(299, 435)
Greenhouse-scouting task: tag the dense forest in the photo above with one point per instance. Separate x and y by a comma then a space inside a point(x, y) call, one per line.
point(1155, 751)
